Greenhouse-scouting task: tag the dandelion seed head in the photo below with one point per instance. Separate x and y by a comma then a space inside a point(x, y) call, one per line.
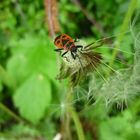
point(85, 61)
point(83, 58)
point(81, 42)
point(74, 63)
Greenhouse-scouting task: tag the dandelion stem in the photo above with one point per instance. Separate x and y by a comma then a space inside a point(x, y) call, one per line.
point(66, 118)
point(72, 114)
point(78, 125)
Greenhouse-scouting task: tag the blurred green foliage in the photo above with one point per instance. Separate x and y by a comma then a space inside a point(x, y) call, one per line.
point(29, 65)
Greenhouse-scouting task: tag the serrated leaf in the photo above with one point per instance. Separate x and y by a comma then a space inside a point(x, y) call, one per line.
point(33, 97)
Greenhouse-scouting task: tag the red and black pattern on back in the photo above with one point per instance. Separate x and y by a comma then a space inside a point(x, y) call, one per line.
point(64, 41)
point(58, 42)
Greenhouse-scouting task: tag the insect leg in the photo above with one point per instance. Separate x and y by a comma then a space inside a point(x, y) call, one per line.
point(80, 46)
point(64, 53)
point(73, 56)
point(57, 50)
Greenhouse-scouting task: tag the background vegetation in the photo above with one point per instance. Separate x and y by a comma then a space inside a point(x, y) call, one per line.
point(36, 106)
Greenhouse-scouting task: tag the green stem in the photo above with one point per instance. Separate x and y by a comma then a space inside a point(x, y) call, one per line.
point(124, 28)
point(12, 114)
point(71, 114)
point(66, 117)
point(74, 115)
point(78, 125)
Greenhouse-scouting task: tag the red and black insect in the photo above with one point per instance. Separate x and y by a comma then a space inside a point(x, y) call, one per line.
point(65, 42)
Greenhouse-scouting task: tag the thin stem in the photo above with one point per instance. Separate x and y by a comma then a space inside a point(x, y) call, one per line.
point(78, 125)
point(20, 11)
point(66, 118)
point(71, 114)
point(11, 113)
point(90, 18)
point(48, 5)
point(52, 17)
point(125, 25)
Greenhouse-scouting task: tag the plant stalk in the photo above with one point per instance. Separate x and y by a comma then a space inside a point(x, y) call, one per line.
point(124, 28)
point(78, 125)
point(71, 114)
point(11, 113)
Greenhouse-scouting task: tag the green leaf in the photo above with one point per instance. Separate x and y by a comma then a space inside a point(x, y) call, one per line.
point(32, 54)
point(6, 78)
point(33, 97)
